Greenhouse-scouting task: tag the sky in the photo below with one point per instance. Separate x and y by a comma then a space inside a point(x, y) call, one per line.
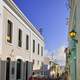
point(51, 16)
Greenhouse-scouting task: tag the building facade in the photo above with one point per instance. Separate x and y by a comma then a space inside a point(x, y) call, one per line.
point(51, 69)
point(67, 67)
point(74, 39)
point(21, 44)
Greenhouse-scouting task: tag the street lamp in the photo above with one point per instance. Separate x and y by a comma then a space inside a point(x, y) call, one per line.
point(72, 34)
point(73, 42)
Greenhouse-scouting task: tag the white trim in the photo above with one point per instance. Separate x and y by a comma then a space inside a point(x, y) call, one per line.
point(19, 57)
point(19, 13)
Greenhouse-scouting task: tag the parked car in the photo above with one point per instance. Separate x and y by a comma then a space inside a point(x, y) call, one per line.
point(37, 77)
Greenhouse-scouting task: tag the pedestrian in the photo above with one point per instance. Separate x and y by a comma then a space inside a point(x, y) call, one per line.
point(57, 76)
point(66, 75)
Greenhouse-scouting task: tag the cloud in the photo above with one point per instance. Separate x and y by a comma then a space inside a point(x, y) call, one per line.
point(60, 56)
point(47, 53)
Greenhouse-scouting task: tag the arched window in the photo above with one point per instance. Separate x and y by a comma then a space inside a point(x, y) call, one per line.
point(18, 73)
point(26, 70)
point(8, 68)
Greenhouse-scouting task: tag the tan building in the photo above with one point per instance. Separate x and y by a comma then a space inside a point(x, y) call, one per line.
point(67, 67)
point(21, 44)
point(56, 69)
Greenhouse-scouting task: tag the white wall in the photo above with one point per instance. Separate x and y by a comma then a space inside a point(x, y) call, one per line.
point(17, 52)
point(1, 24)
point(7, 47)
point(35, 55)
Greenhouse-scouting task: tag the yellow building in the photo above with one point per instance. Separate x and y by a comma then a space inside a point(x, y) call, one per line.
point(53, 67)
point(57, 69)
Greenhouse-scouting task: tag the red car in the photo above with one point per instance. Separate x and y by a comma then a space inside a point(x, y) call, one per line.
point(36, 78)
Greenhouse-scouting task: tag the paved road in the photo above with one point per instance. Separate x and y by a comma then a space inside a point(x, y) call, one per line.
point(61, 78)
point(57, 79)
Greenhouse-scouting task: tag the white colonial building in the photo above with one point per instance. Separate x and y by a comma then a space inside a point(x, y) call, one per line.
point(21, 44)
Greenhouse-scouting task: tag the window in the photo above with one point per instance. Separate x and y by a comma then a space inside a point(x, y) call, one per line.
point(20, 38)
point(38, 62)
point(33, 46)
point(41, 51)
point(8, 69)
point(12, 70)
point(9, 31)
point(38, 48)
point(18, 73)
point(42, 67)
point(42, 64)
point(26, 70)
point(50, 62)
point(33, 61)
point(27, 42)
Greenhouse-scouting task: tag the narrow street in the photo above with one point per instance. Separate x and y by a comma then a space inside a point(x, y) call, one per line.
point(39, 40)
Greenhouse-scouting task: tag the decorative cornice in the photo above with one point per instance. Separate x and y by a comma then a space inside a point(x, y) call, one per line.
point(19, 13)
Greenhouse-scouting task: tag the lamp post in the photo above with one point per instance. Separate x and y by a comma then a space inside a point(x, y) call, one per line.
point(72, 34)
point(73, 57)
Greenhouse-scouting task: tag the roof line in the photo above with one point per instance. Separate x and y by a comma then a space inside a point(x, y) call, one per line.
point(19, 13)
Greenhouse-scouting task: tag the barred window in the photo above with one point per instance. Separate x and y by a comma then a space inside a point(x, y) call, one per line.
point(18, 73)
point(9, 31)
point(27, 42)
point(20, 38)
point(33, 46)
point(38, 48)
point(8, 69)
point(41, 51)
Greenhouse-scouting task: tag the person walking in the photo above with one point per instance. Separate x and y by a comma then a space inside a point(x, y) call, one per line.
point(66, 76)
point(57, 76)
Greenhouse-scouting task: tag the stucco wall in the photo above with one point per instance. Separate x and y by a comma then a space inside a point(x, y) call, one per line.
point(11, 49)
point(1, 24)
